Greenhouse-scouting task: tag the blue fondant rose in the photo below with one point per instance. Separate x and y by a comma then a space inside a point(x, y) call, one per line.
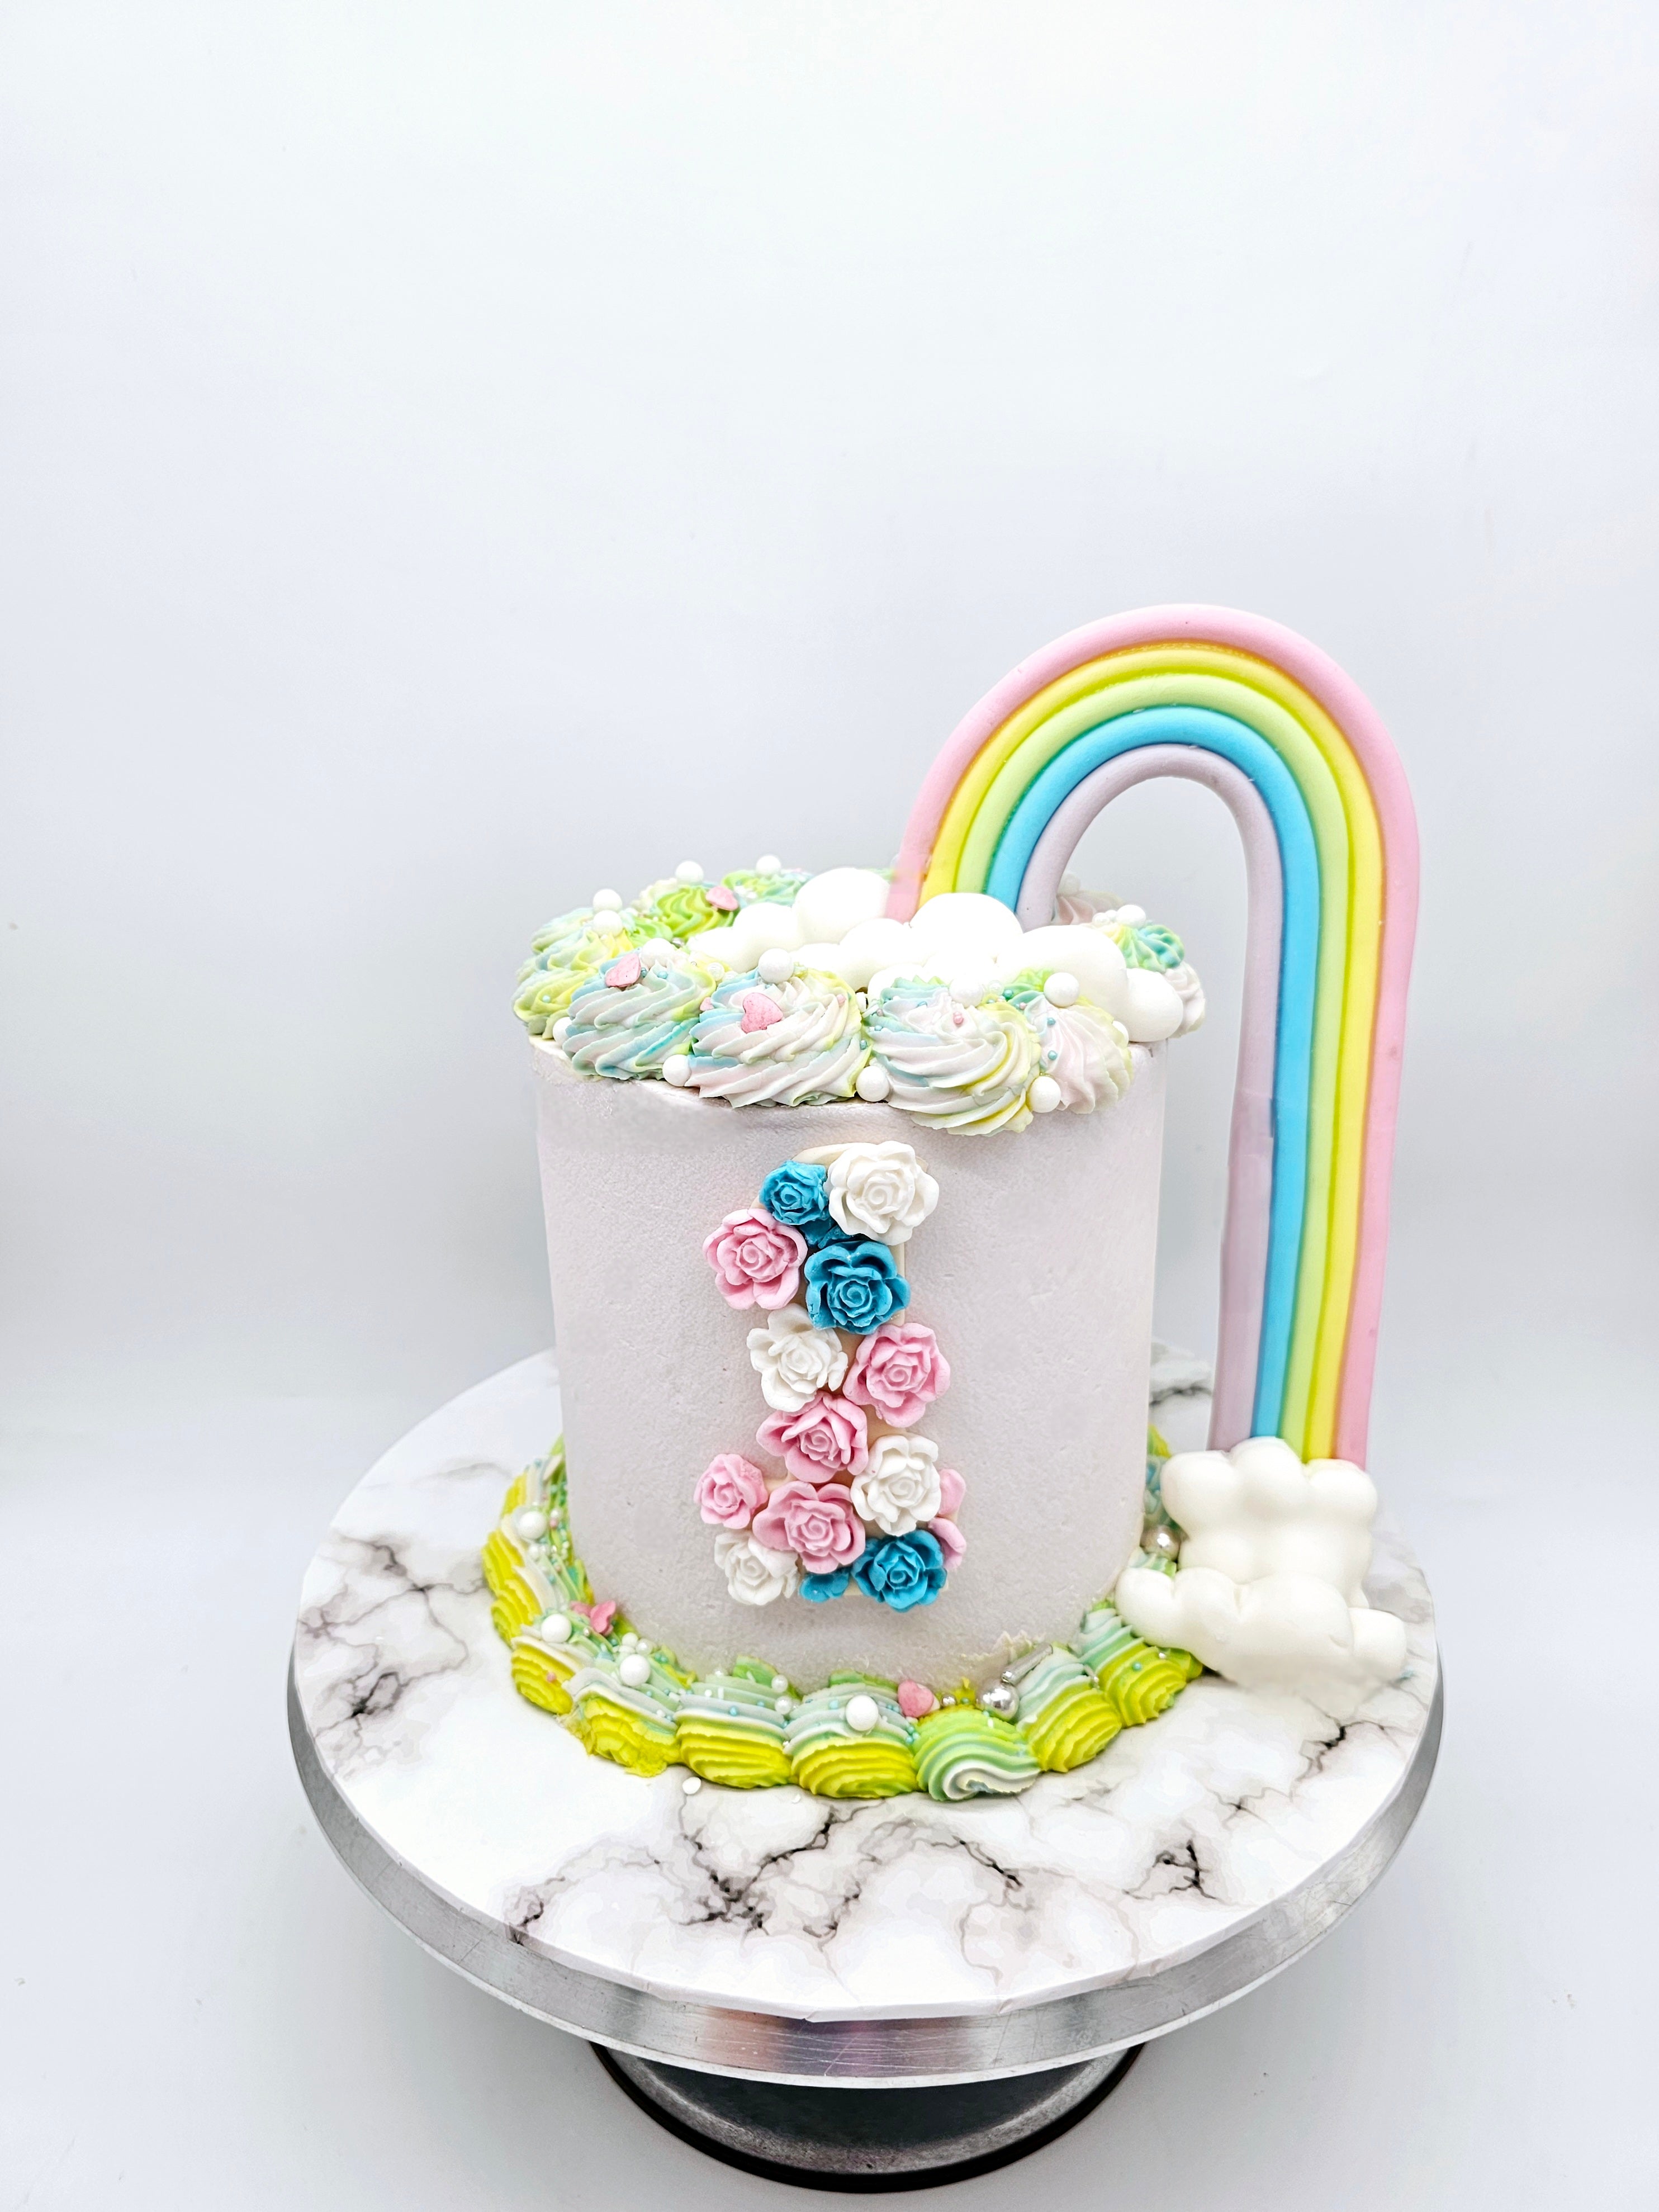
point(821, 1587)
point(902, 1570)
point(854, 1286)
point(800, 1194)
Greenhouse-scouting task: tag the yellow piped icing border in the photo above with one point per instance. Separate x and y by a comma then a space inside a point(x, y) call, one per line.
point(629, 1701)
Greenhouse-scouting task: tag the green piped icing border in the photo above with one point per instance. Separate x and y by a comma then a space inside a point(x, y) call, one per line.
point(629, 1701)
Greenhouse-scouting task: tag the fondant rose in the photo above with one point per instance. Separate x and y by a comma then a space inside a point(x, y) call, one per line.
point(800, 1194)
point(900, 1487)
point(950, 1541)
point(825, 1438)
point(820, 1589)
point(854, 1286)
point(818, 1524)
point(794, 1360)
point(879, 1190)
point(901, 1571)
point(754, 1574)
point(729, 1491)
point(899, 1370)
point(755, 1259)
point(951, 1488)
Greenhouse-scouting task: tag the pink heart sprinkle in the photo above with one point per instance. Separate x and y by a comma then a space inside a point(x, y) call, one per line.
point(915, 1699)
point(723, 899)
point(621, 973)
point(759, 1013)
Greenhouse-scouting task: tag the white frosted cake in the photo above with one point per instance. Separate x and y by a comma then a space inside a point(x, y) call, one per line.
point(851, 1185)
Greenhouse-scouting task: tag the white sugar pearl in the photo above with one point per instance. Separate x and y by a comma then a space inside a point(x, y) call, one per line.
point(530, 1524)
point(776, 966)
point(555, 1628)
point(1131, 916)
point(560, 1027)
point(676, 1068)
point(969, 990)
point(780, 1684)
point(1061, 989)
point(1043, 1096)
point(862, 1714)
point(691, 1785)
point(635, 1671)
point(607, 901)
point(874, 1083)
point(768, 864)
point(690, 871)
point(783, 1707)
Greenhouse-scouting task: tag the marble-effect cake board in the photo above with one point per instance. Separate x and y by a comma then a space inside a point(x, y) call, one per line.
point(781, 1937)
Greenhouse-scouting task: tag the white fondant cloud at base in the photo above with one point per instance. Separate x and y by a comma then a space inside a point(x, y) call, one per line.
point(1268, 1591)
point(1285, 1632)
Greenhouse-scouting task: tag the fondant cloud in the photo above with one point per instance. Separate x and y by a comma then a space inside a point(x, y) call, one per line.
point(1267, 1590)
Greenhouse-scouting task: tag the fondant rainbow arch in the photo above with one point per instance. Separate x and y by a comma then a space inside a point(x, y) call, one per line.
point(1300, 757)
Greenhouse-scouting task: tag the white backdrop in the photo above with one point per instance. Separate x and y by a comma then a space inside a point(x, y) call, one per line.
point(459, 455)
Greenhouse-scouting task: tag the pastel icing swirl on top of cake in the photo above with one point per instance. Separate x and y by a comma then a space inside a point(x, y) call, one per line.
point(570, 951)
point(953, 1064)
point(643, 1008)
point(793, 1043)
point(1080, 1047)
point(776, 886)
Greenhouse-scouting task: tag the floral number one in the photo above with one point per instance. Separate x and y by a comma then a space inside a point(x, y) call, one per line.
point(858, 1496)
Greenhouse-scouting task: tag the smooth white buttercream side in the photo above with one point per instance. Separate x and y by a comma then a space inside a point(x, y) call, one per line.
point(1034, 1271)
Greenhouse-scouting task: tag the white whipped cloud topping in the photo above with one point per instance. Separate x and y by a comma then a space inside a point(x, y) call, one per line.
point(900, 1487)
point(876, 1190)
point(1268, 1587)
point(794, 1360)
point(838, 924)
point(754, 1574)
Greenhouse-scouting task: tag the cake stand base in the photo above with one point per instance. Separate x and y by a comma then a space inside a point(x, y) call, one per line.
point(864, 2141)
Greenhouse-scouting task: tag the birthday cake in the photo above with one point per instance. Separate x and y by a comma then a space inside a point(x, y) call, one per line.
point(851, 1185)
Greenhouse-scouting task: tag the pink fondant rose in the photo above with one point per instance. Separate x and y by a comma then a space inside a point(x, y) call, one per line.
point(729, 1490)
point(756, 1260)
point(826, 1438)
point(898, 1370)
point(817, 1524)
point(951, 1542)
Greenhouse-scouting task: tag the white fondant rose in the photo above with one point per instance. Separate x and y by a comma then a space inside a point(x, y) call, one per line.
point(877, 1190)
point(900, 1488)
point(794, 1360)
point(754, 1574)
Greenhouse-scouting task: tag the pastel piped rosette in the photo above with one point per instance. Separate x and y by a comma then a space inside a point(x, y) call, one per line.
point(1303, 761)
point(856, 1499)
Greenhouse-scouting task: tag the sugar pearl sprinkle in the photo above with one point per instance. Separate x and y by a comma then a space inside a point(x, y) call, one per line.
point(768, 864)
point(862, 1714)
point(555, 1628)
point(1043, 1096)
point(607, 901)
point(776, 966)
point(690, 871)
point(691, 1785)
point(1061, 989)
point(676, 1069)
point(873, 1084)
point(635, 1671)
point(530, 1524)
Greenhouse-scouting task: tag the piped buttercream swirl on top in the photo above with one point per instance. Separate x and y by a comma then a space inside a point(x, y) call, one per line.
point(794, 1043)
point(626, 1028)
point(567, 952)
point(1080, 1046)
point(953, 1065)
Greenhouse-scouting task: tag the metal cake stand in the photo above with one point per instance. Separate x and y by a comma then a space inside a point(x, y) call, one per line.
point(812, 2101)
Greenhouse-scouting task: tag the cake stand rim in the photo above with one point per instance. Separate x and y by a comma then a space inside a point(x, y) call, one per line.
point(887, 2052)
